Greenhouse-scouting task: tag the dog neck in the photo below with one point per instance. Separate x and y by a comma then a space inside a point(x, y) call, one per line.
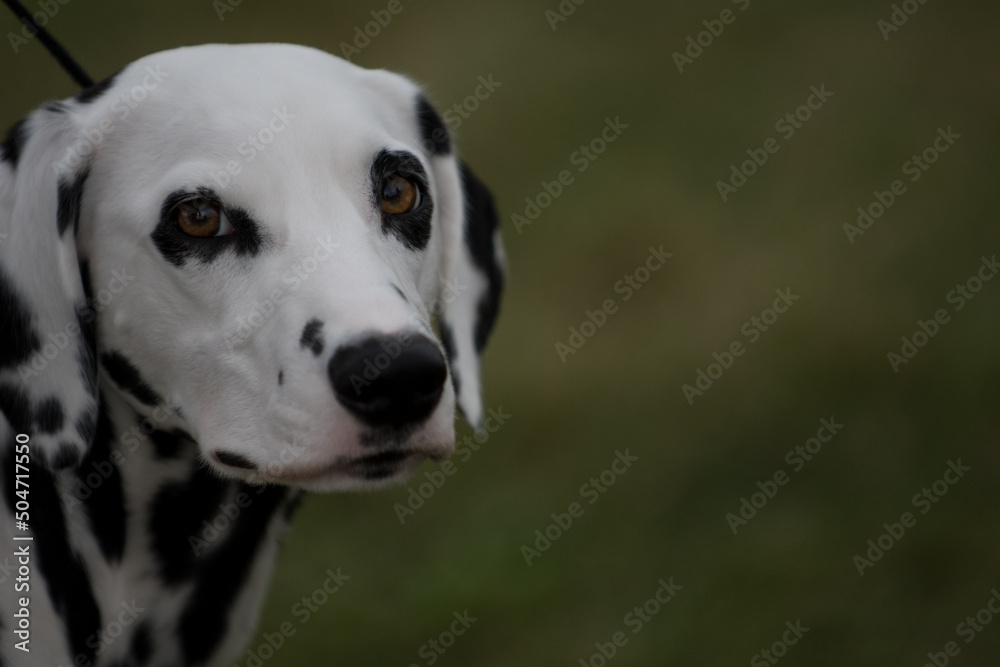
point(143, 533)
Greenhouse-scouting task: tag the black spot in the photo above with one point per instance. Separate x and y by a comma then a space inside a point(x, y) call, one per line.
point(49, 415)
point(480, 231)
point(176, 516)
point(70, 196)
point(281, 378)
point(16, 407)
point(168, 445)
point(433, 133)
point(86, 424)
point(247, 239)
point(486, 314)
point(141, 646)
point(106, 503)
point(17, 136)
point(85, 353)
point(400, 293)
point(58, 565)
point(205, 619)
point(88, 289)
point(128, 378)
point(448, 340)
point(67, 457)
point(19, 338)
point(413, 229)
point(86, 318)
point(235, 460)
point(311, 336)
point(91, 93)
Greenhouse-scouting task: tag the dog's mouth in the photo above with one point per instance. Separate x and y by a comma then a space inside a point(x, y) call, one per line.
point(377, 469)
point(378, 458)
point(376, 466)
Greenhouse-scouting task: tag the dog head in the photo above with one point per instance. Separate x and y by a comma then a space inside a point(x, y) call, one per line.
point(264, 245)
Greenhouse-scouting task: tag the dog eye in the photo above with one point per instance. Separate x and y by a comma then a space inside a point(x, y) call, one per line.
point(202, 219)
point(399, 195)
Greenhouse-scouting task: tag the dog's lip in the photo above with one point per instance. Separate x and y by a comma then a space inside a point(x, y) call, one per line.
point(360, 466)
point(390, 457)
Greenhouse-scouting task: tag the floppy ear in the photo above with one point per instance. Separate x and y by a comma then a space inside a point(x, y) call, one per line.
point(474, 275)
point(47, 362)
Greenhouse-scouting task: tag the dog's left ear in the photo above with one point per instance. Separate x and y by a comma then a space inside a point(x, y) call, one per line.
point(47, 363)
point(474, 276)
point(473, 263)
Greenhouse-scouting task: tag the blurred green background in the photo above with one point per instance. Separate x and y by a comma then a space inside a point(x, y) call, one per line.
point(656, 184)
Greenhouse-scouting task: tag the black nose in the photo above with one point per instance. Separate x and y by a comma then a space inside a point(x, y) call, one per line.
point(389, 380)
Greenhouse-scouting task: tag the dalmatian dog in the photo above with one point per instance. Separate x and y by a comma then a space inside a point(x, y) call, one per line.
point(229, 274)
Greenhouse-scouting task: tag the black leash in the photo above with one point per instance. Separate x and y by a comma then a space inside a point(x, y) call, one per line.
point(54, 47)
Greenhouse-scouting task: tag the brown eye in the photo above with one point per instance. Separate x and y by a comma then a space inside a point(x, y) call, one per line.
point(202, 219)
point(399, 195)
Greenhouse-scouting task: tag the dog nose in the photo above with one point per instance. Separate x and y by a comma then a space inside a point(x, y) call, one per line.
point(389, 380)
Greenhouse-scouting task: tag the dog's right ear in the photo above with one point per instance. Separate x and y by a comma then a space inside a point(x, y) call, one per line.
point(47, 358)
